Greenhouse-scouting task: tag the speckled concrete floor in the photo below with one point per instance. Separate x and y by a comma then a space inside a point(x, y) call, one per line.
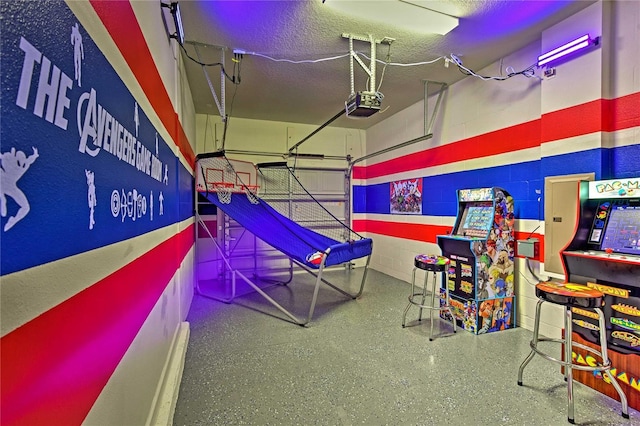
point(355, 364)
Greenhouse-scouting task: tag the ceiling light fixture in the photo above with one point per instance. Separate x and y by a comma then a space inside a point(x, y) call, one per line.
point(573, 46)
point(174, 9)
point(413, 15)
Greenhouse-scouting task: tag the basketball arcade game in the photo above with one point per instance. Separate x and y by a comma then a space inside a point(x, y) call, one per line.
point(481, 248)
point(222, 182)
point(605, 254)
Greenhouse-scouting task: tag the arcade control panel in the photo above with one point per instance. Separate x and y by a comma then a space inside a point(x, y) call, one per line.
point(605, 256)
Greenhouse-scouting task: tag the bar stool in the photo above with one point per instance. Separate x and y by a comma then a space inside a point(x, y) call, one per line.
point(573, 295)
point(433, 264)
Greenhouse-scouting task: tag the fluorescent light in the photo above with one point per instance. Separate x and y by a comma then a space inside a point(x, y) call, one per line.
point(567, 48)
point(409, 15)
point(174, 9)
point(177, 19)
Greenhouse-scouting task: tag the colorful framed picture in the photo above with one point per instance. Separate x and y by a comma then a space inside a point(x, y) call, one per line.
point(405, 196)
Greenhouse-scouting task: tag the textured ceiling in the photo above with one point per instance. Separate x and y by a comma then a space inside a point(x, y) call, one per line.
point(312, 93)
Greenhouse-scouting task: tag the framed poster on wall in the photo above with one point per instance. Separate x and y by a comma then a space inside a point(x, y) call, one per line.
point(406, 196)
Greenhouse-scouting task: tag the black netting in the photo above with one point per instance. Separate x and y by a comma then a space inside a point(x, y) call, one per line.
point(295, 224)
point(283, 191)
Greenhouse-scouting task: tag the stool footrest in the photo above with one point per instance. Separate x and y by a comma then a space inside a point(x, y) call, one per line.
point(423, 306)
point(433, 266)
point(579, 296)
point(598, 367)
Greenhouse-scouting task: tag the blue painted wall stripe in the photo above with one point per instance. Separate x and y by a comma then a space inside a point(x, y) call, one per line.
point(522, 180)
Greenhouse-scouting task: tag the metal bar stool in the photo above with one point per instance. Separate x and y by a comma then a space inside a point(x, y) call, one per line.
point(573, 295)
point(433, 264)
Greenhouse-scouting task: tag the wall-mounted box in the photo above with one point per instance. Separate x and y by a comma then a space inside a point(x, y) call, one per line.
point(528, 248)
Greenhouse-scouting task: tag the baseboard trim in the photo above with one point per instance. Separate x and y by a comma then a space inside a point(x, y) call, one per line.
point(165, 403)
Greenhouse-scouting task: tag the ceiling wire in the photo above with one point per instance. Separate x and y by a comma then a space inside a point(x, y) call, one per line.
point(398, 64)
point(239, 54)
point(331, 58)
point(235, 79)
point(528, 72)
point(302, 61)
point(387, 60)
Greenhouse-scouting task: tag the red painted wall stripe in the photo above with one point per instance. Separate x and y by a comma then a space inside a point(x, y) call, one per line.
point(409, 231)
point(424, 232)
point(521, 136)
point(601, 115)
point(55, 366)
point(621, 113)
point(121, 23)
point(574, 121)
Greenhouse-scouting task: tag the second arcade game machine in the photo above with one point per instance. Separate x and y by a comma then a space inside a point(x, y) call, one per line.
point(481, 249)
point(605, 254)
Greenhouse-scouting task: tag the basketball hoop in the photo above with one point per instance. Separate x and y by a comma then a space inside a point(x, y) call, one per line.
point(224, 190)
point(252, 191)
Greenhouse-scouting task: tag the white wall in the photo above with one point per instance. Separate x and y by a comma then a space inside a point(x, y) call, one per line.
point(475, 107)
point(471, 107)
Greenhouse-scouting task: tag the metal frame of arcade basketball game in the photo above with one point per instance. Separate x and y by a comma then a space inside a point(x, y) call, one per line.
point(229, 236)
point(223, 191)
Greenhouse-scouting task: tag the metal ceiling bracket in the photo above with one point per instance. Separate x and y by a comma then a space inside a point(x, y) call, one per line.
point(219, 103)
point(428, 125)
point(371, 70)
point(428, 128)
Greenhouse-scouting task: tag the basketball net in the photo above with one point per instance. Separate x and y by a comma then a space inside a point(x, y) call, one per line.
point(251, 195)
point(224, 193)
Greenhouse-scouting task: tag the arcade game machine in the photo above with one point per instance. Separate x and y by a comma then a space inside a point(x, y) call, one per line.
point(605, 254)
point(481, 249)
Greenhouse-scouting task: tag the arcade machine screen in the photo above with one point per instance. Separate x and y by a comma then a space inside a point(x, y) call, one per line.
point(476, 220)
point(622, 233)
